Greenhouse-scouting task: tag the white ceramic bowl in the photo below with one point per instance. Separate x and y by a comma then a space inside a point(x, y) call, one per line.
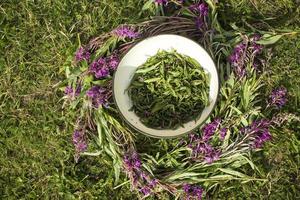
point(138, 55)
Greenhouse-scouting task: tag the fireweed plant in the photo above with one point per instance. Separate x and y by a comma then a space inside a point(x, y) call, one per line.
point(196, 165)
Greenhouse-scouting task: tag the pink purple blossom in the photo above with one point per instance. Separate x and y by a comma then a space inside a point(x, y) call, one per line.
point(153, 183)
point(79, 142)
point(201, 149)
point(256, 48)
point(113, 61)
point(69, 91)
point(145, 190)
point(223, 133)
point(204, 151)
point(237, 59)
point(201, 11)
point(242, 52)
point(259, 132)
point(82, 54)
point(209, 129)
point(212, 156)
point(199, 22)
point(140, 179)
point(102, 67)
point(98, 95)
point(262, 138)
point(192, 191)
point(132, 162)
point(278, 97)
point(126, 32)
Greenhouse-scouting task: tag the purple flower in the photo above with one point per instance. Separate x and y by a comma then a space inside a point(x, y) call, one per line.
point(100, 68)
point(212, 156)
point(242, 51)
point(238, 52)
point(153, 183)
point(113, 61)
point(126, 32)
point(98, 95)
point(200, 8)
point(223, 132)
point(262, 138)
point(209, 129)
point(197, 192)
point(193, 137)
point(255, 38)
point(161, 2)
point(259, 125)
point(199, 22)
point(255, 65)
point(201, 149)
point(78, 89)
point(186, 188)
point(140, 179)
point(82, 54)
point(259, 132)
point(79, 143)
point(205, 151)
point(256, 48)
point(192, 191)
point(203, 9)
point(278, 97)
point(132, 161)
point(236, 59)
point(70, 92)
point(146, 190)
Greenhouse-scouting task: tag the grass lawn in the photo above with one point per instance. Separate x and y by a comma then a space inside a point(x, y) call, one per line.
point(36, 151)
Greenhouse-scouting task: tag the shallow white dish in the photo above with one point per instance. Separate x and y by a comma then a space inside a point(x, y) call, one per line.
point(138, 55)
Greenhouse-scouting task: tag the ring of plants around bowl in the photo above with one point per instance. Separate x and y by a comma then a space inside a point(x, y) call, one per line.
point(190, 167)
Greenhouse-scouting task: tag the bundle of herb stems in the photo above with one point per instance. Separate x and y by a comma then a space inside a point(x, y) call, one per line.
point(168, 90)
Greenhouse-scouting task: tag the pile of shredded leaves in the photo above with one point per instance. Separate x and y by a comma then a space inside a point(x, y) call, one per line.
point(168, 90)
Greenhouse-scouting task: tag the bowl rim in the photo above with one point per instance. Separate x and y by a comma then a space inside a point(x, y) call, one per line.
point(184, 133)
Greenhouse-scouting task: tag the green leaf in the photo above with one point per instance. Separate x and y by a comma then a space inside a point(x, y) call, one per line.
point(148, 5)
point(99, 130)
point(158, 106)
point(183, 175)
point(187, 12)
point(234, 26)
point(267, 40)
point(221, 177)
point(152, 80)
point(244, 121)
point(233, 172)
point(67, 71)
point(117, 172)
point(148, 169)
point(148, 69)
point(88, 79)
point(97, 153)
point(226, 139)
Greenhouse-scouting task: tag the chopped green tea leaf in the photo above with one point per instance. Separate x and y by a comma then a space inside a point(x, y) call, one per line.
point(168, 90)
